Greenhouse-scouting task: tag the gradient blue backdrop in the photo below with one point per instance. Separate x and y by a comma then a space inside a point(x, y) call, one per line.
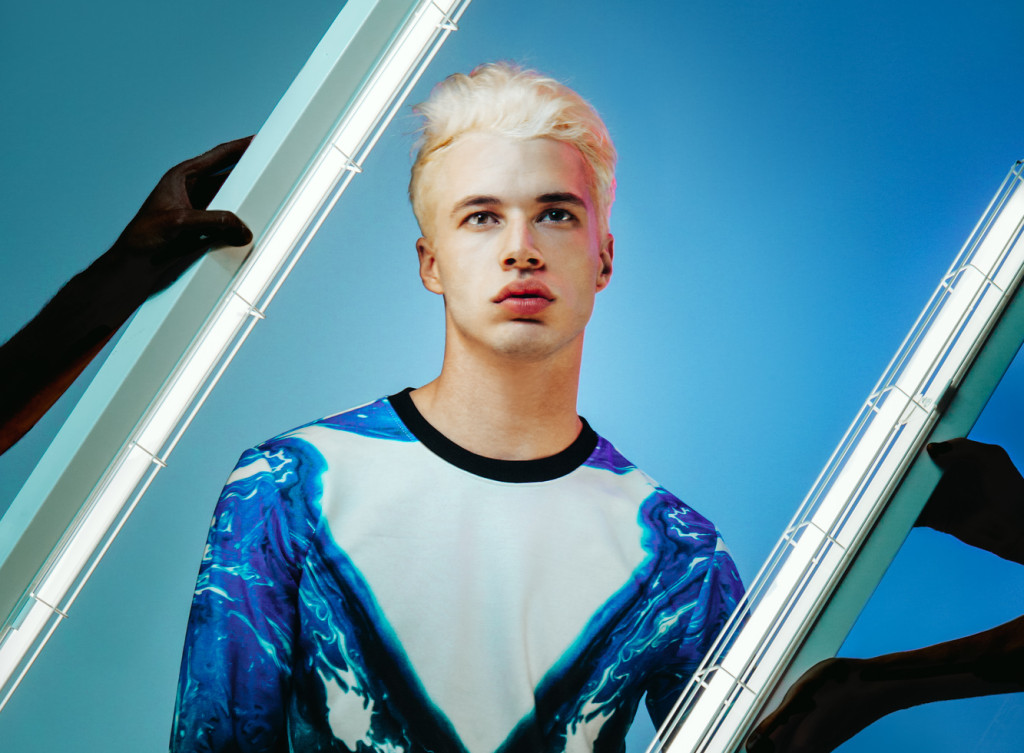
point(794, 179)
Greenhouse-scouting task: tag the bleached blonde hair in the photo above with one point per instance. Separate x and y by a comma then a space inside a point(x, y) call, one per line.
point(505, 99)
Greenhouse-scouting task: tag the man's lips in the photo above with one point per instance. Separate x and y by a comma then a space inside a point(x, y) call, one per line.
point(524, 297)
point(524, 289)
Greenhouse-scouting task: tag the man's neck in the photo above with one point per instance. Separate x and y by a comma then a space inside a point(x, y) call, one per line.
point(503, 408)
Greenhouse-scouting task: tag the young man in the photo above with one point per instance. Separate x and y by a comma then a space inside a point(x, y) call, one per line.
point(466, 566)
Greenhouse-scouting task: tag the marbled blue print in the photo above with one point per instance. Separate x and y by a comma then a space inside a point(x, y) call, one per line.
point(348, 643)
point(622, 653)
point(243, 616)
point(289, 649)
point(374, 420)
point(605, 456)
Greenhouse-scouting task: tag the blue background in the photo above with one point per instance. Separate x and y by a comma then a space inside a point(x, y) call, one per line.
point(794, 179)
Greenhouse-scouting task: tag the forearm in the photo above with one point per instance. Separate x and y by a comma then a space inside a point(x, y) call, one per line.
point(837, 698)
point(45, 357)
point(985, 663)
point(171, 230)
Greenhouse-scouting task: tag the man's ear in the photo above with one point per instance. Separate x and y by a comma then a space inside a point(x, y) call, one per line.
point(607, 254)
point(428, 267)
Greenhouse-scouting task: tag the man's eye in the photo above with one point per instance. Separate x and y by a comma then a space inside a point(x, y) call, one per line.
point(556, 215)
point(480, 218)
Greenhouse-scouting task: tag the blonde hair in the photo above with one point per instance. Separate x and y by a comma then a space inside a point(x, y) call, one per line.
point(505, 99)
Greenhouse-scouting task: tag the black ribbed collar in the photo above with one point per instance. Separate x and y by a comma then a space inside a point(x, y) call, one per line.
point(513, 471)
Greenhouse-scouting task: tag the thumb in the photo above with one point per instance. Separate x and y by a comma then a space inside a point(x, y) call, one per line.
point(951, 451)
point(216, 227)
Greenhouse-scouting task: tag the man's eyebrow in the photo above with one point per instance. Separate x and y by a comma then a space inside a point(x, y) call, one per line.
point(475, 201)
point(565, 197)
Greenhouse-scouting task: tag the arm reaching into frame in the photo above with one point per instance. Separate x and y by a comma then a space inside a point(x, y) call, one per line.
point(171, 230)
point(979, 500)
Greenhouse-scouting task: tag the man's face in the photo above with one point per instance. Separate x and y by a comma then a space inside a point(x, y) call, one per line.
point(514, 245)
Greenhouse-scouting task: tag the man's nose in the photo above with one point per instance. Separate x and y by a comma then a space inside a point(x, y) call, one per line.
point(522, 251)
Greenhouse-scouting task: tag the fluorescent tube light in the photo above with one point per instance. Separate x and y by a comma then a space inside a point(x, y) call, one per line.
point(822, 541)
point(284, 187)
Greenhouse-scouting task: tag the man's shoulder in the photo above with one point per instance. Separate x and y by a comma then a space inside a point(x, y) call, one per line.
point(376, 419)
point(661, 510)
point(346, 443)
point(684, 548)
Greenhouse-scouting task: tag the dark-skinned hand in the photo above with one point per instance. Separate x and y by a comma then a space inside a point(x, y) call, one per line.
point(173, 228)
point(979, 499)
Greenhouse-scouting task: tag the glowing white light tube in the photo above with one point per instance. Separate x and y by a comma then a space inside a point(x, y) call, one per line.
point(787, 596)
point(157, 377)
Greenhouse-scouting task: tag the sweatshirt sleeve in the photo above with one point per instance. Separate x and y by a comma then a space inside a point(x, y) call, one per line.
point(237, 660)
point(720, 591)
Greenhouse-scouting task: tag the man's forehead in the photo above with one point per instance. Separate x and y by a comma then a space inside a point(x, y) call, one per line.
point(504, 169)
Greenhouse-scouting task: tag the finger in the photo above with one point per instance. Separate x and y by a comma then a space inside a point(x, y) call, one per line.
point(203, 188)
point(222, 228)
point(221, 158)
point(217, 228)
point(177, 188)
point(954, 451)
point(758, 743)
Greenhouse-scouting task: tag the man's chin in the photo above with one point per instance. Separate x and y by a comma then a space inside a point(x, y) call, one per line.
point(532, 342)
